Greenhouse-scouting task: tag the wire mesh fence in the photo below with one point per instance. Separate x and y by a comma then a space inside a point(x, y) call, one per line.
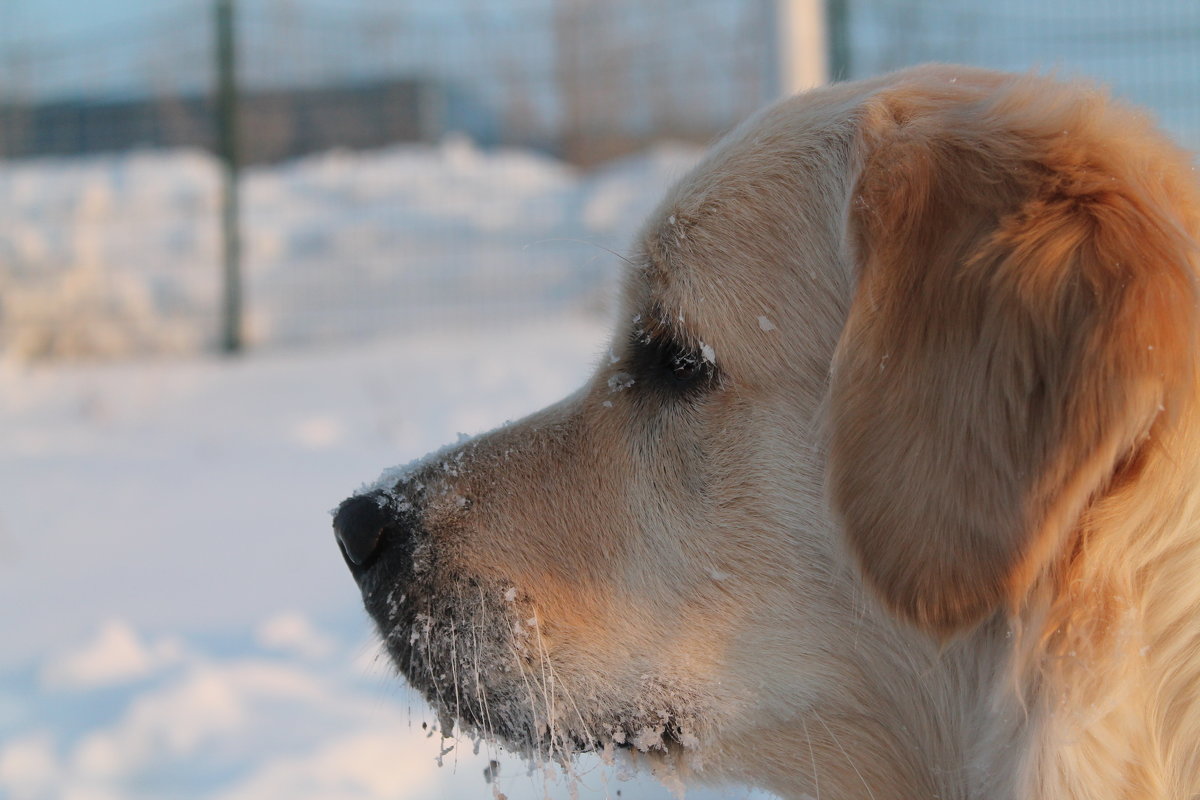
point(415, 164)
point(1147, 52)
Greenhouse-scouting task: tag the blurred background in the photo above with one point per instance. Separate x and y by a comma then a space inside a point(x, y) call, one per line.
point(254, 251)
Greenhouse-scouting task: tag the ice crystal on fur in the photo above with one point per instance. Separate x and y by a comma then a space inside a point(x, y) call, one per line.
point(620, 381)
point(448, 460)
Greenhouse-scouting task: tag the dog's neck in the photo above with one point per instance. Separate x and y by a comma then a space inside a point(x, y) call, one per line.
point(1090, 692)
point(1116, 670)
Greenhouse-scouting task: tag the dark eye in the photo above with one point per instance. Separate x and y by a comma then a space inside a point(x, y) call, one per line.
point(681, 368)
point(685, 368)
point(671, 366)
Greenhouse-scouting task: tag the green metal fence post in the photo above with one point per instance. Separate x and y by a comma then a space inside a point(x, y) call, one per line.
point(227, 152)
point(838, 24)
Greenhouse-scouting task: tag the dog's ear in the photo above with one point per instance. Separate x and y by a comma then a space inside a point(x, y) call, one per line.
point(1023, 326)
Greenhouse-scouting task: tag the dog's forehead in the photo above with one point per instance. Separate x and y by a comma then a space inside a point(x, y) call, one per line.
point(692, 289)
point(673, 287)
point(740, 251)
point(694, 259)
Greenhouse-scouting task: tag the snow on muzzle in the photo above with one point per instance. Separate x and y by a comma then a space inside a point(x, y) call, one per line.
point(379, 533)
point(457, 638)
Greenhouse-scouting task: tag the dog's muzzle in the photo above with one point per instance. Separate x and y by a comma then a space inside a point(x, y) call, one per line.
point(379, 533)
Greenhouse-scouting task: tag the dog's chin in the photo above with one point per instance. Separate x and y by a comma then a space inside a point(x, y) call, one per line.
point(474, 650)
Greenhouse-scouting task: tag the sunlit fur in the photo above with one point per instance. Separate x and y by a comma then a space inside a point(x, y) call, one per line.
point(931, 530)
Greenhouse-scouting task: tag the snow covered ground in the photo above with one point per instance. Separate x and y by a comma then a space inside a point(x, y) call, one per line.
point(176, 619)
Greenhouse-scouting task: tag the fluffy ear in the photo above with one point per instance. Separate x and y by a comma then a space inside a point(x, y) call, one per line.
point(1023, 325)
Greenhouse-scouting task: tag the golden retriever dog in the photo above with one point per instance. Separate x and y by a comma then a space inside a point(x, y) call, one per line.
point(888, 487)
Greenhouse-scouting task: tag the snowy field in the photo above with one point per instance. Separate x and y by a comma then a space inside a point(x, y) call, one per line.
point(176, 619)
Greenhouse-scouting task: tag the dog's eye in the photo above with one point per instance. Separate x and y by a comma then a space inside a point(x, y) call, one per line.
point(685, 368)
point(671, 366)
point(682, 369)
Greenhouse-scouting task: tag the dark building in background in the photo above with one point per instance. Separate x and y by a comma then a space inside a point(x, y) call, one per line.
point(276, 124)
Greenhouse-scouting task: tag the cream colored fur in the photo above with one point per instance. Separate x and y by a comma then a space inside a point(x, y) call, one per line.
point(930, 530)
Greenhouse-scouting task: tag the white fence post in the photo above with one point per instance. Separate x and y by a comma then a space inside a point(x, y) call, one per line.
point(801, 45)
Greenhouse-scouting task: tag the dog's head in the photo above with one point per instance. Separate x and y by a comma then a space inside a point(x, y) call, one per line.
point(890, 358)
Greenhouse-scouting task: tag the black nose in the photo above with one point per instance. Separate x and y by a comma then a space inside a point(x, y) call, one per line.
point(359, 524)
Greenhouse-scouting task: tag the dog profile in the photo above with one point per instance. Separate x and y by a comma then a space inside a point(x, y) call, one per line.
point(888, 486)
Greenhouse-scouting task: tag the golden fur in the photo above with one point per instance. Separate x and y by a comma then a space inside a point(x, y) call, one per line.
point(888, 488)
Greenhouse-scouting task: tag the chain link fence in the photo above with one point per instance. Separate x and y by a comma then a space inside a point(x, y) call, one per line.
point(413, 164)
